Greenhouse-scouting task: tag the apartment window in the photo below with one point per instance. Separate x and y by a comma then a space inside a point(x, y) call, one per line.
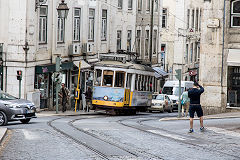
point(61, 30)
point(76, 23)
point(188, 18)
point(146, 42)
point(43, 24)
point(197, 18)
point(120, 4)
point(235, 14)
point(154, 41)
point(200, 19)
point(139, 5)
point(148, 5)
point(195, 51)
point(164, 18)
point(138, 39)
point(104, 25)
point(156, 6)
point(91, 24)
point(129, 40)
point(119, 40)
point(191, 53)
point(186, 54)
point(192, 18)
point(130, 3)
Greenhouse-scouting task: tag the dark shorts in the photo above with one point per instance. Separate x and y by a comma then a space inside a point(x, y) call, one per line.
point(195, 108)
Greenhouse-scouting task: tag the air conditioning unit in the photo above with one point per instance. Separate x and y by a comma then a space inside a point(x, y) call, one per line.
point(74, 49)
point(41, 2)
point(84, 48)
point(90, 47)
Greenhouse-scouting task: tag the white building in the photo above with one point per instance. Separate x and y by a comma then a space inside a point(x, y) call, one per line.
point(91, 27)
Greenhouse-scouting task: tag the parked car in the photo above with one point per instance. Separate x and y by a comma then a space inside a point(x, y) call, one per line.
point(161, 102)
point(13, 109)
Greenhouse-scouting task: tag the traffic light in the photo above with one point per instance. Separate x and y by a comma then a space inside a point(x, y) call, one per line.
point(19, 75)
point(179, 74)
point(58, 77)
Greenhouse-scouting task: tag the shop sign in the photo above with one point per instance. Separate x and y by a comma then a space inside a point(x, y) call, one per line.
point(192, 72)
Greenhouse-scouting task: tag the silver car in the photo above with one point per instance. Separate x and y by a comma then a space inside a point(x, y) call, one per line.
point(13, 109)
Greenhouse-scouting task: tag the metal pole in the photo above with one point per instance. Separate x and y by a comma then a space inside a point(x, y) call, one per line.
point(20, 88)
point(223, 40)
point(179, 99)
point(79, 73)
point(151, 33)
point(57, 91)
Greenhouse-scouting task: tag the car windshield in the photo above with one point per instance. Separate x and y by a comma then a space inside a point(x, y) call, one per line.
point(160, 97)
point(5, 96)
point(176, 91)
point(168, 90)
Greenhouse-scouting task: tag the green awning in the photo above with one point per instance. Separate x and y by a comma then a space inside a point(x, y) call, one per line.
point(49, 68)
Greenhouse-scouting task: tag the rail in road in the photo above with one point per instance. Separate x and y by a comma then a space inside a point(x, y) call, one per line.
point(169, 134)
point(105, 143)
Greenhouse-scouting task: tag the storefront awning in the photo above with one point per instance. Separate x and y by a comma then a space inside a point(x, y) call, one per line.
point(233, 58)
point(48, 68)
point(84, 65)
point(159, 72)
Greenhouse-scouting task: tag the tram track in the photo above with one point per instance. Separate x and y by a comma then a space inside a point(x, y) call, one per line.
point(167, 137)
point(99, 153)
point(135, 153)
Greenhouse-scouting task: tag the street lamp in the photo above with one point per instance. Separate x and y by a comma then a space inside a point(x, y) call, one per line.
point(62, 10)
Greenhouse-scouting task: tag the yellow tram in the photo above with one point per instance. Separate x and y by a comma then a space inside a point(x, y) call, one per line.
point(122, 87)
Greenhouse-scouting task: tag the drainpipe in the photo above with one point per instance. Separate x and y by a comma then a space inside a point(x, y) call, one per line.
point(223, 40)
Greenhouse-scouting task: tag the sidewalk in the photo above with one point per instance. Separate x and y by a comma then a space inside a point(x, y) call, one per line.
point(215, 116)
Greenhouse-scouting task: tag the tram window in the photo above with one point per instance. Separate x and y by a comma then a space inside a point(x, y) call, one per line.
point(119, 79)
point(98, 77)
point(108, 78)
point(129, 80)
point(139, 83)
point(151, 84)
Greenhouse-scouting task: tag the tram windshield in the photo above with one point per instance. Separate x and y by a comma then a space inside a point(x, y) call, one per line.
point(108, 78)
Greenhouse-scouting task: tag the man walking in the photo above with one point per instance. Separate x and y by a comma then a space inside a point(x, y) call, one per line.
point(195, 106)
point(64, 94)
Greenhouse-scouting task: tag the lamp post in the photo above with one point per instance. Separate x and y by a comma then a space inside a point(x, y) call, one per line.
point(62, 10)
point(62, 13)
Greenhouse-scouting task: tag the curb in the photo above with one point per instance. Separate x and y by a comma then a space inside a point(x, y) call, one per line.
point(3, 132)
point(184, 118)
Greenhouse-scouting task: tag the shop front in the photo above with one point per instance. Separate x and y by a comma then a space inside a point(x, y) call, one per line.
point(46, 85)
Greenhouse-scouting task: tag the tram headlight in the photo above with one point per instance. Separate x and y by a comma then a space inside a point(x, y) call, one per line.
point(105, 98)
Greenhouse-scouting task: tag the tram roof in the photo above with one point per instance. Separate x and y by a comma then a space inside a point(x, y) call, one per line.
point(127, 65)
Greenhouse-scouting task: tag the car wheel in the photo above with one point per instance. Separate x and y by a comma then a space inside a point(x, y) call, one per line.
point(25, 121)
point(3, 119)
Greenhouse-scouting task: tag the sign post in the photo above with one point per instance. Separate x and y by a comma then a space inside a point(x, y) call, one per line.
point(179, 77)
point(78, 90)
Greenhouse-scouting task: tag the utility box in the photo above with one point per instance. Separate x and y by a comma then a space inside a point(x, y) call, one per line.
point(35, 98)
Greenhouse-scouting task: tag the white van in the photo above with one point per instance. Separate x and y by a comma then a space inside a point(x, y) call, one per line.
point(171, 89)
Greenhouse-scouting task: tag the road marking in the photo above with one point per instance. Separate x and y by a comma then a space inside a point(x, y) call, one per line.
point(177, 137)
point(224, 131)
point(29, 135)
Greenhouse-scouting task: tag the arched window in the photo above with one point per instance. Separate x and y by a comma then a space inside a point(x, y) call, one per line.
point(235, 14)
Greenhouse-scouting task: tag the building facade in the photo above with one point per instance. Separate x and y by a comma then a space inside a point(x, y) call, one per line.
point(31, 37)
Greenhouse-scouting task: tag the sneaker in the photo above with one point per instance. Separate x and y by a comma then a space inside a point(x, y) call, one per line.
point(190, 130)
point(202, 129)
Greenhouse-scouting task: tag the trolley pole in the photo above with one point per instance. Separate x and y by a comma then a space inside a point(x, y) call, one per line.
point(179, 77)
